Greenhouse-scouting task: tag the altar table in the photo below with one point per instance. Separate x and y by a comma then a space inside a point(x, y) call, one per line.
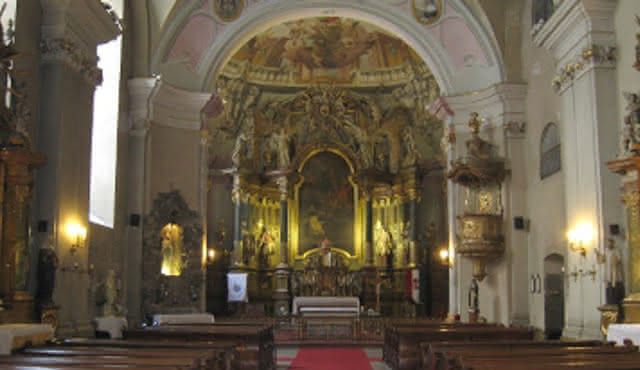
point(326, 306)
point(619, 332)
point(17, 336)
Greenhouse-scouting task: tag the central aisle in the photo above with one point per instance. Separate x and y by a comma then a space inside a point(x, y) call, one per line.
point(330, 358)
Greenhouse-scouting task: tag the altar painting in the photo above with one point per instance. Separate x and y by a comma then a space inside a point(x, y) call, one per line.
point(326, 204)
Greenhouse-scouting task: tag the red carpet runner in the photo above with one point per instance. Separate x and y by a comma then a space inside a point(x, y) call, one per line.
point(329, 358)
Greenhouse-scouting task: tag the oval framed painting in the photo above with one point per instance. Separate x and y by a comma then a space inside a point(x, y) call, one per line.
point(228, 10)
point(427, 11)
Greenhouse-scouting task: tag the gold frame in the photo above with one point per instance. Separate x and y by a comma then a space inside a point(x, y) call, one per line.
point(228, 19)
point(440, 7)
point(357, 259)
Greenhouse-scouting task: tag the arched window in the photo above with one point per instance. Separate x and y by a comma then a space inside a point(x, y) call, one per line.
point(550, 159)
point(104, 143)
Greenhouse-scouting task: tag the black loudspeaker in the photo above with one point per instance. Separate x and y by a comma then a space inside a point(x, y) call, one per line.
point(43, 225)
point(518, 223)
point(614, 229)
point(134, 220)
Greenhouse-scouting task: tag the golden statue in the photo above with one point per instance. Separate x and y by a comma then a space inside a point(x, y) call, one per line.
point(172, 240)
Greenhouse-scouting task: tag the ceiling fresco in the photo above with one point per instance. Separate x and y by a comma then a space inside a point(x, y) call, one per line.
point(326, 50)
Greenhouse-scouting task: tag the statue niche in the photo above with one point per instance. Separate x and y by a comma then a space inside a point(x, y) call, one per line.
point(172, 256)
point(172, 274)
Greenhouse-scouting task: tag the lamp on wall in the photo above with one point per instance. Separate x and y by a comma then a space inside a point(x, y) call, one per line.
point(579, 238)
point(77, 233)
point(211, 255)
point(445, 258)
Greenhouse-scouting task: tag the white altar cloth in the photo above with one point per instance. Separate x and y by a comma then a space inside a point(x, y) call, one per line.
point(16, 336)
point(183, 319)
point(619, 332)
point(114, 325)
point(326, 305)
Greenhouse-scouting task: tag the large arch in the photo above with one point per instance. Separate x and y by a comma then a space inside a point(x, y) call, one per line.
point(443, 45)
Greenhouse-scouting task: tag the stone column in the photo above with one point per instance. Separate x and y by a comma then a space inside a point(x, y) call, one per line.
point(71, 32)
point(581, 36)
point(141, 91)
point(441, 110)
point(281, 295)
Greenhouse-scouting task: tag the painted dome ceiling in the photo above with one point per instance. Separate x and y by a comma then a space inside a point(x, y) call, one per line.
point(325, 50)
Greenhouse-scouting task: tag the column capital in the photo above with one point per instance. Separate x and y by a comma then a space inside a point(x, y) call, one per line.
point(141, 92)
point(71, 34)
point(576, 24)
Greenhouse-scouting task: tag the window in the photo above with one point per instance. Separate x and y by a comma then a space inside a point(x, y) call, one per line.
point(550, 159)
point(104, 142)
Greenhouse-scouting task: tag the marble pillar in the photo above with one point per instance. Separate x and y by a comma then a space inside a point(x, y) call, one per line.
point(281, 296)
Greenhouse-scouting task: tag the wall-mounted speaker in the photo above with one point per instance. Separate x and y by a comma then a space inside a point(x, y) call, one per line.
point(134, 220)
point(43, 225)
point(614, 229)
point(518, 223)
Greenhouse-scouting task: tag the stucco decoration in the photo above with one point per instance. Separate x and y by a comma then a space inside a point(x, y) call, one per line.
point(474, 46)
point(264, 131)
point(180, 293)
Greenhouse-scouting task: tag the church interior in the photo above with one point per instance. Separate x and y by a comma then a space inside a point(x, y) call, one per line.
point(382, 184)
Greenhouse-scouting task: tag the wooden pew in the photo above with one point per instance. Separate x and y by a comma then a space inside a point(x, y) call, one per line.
point(255, 349)
point(206, 358)
point(224, 348)
point(390, 333)
point(572, 361)
point(432, 353)
point(456, 360)
point(101, 361)
point(404, 346)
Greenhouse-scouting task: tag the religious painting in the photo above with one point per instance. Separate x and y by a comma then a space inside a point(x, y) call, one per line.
point(326, 49)
point(427, 11)
point(228, 10)
point(326, 204)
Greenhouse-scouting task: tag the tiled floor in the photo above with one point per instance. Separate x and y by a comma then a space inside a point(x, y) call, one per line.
point(286, 354)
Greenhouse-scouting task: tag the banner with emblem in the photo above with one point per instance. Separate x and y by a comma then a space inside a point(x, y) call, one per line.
point(237, 287)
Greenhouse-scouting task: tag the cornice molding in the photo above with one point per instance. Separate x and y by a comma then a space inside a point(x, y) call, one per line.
point(141, 92)
point(498, 105)
point(576, 25)
point(174, 107)
point(67, 52)
point(71, 32)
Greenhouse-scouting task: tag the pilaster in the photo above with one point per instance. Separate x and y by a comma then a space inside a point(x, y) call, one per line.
point(141, 92)
point(581, 36)
point(71, 32)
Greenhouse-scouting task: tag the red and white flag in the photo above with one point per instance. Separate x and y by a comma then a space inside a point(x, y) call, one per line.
point(413, 285)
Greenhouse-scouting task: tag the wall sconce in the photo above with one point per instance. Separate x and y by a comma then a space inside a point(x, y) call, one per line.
point(445, 258)
point(211, 255)
point(579, 238)
point(574, 274)
point(77, 233)
point(591, 272)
